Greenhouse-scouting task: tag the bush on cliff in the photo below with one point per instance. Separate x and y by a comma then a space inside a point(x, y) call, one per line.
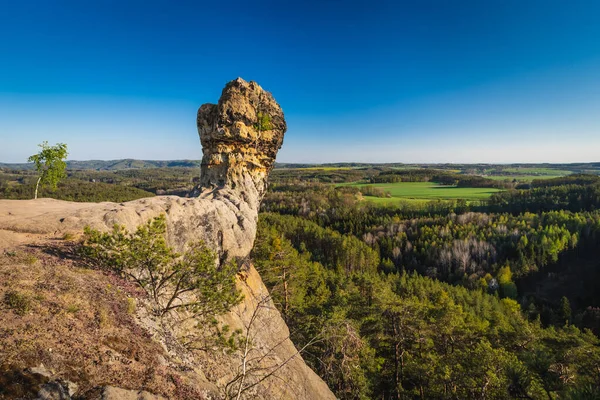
point(192, 281)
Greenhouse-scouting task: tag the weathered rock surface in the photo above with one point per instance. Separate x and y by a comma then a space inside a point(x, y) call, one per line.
point(113, 393)
point(240, 136)
point(237, 159)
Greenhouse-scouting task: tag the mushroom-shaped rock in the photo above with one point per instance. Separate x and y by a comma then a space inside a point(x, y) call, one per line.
point(240, 138)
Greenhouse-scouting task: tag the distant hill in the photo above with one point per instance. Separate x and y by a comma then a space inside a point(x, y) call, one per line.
point(114, 165)
point(129, 163)
point(593, 167)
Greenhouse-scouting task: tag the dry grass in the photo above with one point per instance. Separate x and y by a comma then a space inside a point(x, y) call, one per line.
point(68, 236)
point(79, 323)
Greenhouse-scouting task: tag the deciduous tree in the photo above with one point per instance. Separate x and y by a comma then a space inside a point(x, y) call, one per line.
point(50, 165)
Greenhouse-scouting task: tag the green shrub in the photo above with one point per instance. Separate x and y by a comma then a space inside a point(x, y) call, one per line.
point(192, 281)
point(73, 308)
point(20, 303)
point(263, 122)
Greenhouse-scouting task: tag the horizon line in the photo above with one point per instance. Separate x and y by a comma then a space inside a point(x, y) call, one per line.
point(334, 162)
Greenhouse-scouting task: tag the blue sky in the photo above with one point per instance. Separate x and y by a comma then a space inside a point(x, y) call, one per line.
point(370, 81)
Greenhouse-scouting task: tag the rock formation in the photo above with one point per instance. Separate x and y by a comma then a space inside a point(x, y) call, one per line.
point(238, 155)
point(240, 137)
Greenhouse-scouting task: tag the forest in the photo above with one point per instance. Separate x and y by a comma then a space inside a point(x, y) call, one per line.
point(495, 299)
point(444, 299)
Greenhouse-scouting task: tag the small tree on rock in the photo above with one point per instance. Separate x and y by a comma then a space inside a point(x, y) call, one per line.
point(192, 281)
point(263, 119)
point(50, 165)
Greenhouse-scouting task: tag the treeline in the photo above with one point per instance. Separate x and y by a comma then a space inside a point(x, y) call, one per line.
point(96, 186)
point(74, 190)
point(402, 335)
point(441, 177)
point(111, 165)
point(173, 180)
point(322, 175)
point(547, 198)
point(576, 179)
point(374, 191)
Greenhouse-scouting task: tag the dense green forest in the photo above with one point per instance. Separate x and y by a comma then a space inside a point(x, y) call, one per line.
point(402, 335)
point(448, 299)
point(445, 299)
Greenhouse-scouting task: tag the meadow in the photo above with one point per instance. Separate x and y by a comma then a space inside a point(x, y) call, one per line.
point(524, 174)
point(426, 191)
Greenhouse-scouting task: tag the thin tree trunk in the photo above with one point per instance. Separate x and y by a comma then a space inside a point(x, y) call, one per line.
point(285, 296)
point(36, 186)
point(396, 358)
point(243, 378)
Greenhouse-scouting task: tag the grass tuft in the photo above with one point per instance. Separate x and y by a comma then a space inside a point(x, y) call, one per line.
point(131, 305)
point(68, 236)
point(20, 303)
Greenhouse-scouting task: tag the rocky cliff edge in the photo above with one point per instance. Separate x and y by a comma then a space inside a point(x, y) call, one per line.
point(84, 333)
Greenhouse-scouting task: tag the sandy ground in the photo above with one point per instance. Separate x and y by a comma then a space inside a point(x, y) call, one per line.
point(27, 221)
point(9, 239)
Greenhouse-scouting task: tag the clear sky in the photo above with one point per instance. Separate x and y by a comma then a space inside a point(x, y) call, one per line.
point(369, 81)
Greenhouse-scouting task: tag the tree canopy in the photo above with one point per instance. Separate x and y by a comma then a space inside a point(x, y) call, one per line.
point(50, 165)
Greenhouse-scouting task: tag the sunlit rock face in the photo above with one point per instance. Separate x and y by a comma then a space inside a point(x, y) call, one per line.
point(240, 138)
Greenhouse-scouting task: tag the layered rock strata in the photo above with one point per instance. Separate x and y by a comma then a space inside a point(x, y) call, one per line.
point(240, 138)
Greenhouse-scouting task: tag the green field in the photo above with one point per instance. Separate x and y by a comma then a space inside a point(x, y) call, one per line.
point(525, 174)
point(322, 168)
point(427, 191)
point(397, 200)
